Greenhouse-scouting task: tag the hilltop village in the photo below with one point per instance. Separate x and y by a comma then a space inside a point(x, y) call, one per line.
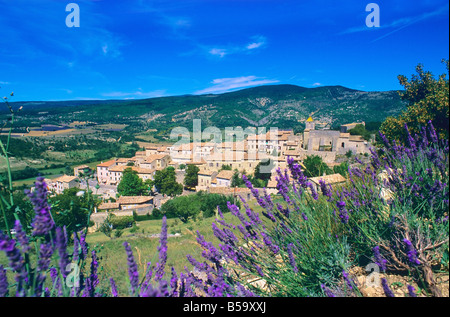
point(210, 158)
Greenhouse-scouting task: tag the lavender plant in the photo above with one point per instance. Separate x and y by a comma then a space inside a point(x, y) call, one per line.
point(396, 207)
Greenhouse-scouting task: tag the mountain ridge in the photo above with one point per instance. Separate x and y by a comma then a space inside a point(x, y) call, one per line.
point(282, 105)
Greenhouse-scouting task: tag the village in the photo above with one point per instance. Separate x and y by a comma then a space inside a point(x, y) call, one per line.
point(210, 158)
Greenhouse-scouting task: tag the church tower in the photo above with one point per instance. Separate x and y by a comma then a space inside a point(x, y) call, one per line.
point(310, 125)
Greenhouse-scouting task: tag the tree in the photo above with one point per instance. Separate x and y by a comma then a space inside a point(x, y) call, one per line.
point(70, 209)
point(183, 207)
point(315, 166)
point(428, 100)
point(165, 182)
point(236, 180)
point(361, 130)
point(226, 167)
point(189, 207)
point(341, 169)
point(131, 184)
point(191, 177)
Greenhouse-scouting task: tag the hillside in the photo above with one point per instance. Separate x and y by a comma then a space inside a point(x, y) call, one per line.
point(282, 106)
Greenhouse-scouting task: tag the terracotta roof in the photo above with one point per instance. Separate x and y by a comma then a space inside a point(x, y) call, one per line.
point(107, 164)
point(206, 172)
point(155, 157)
point(225, 174)
point(119, 168)
point(126, 200)
point(65, 179)
point(141, 170)
point(105, 206)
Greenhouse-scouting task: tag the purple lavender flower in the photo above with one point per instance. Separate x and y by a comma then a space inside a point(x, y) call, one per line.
point(314, 193)
point(327, 291)
point(83, 245)
point(347, 279)
point(379, 259)
point(162, 248)
point(412, 253)
point(220, 212)
point(433, 134)
point(16, 261)
point(22, 237)
point(384, 139)
point(76, 248)
point(45, 255)
point(3, 282)
point(411, 141)
point(268, 242)
point(174, 283)
point(133, 272)
point(343, 214)
point(62, 251)
point(114, 292)
point(93, 277)
point(325, 188)
point(43, 221)
point(55, 280)
point(387, 290)
point(291, 258)
point(411, 291)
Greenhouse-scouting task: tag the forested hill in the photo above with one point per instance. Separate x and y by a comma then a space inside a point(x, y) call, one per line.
point(283, 106)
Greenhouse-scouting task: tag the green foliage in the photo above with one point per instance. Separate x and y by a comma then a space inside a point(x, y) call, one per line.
point(191, 177)
point(428, 99)
point(191, 206)
point(70, 210)
point(226, 167)
point(315, 166)
point(360, 129)
point(237, 180)
point(165, 182)
point(341, 169)
point(130, 184)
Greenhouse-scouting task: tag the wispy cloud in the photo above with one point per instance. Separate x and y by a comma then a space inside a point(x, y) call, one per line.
point(257, 42)
point(398, 24)
point(218, 52)
point(317, 84)
point(138, 94)
point(222, 85)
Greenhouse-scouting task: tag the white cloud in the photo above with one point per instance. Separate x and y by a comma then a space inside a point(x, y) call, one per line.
point(105, 49)
point(135, 94)
point(4, 83)
point(218, 52)
point(221, 85)
point(258, 42)
point(317, 84)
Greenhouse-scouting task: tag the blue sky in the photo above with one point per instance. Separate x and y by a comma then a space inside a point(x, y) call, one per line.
point(144, 48)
